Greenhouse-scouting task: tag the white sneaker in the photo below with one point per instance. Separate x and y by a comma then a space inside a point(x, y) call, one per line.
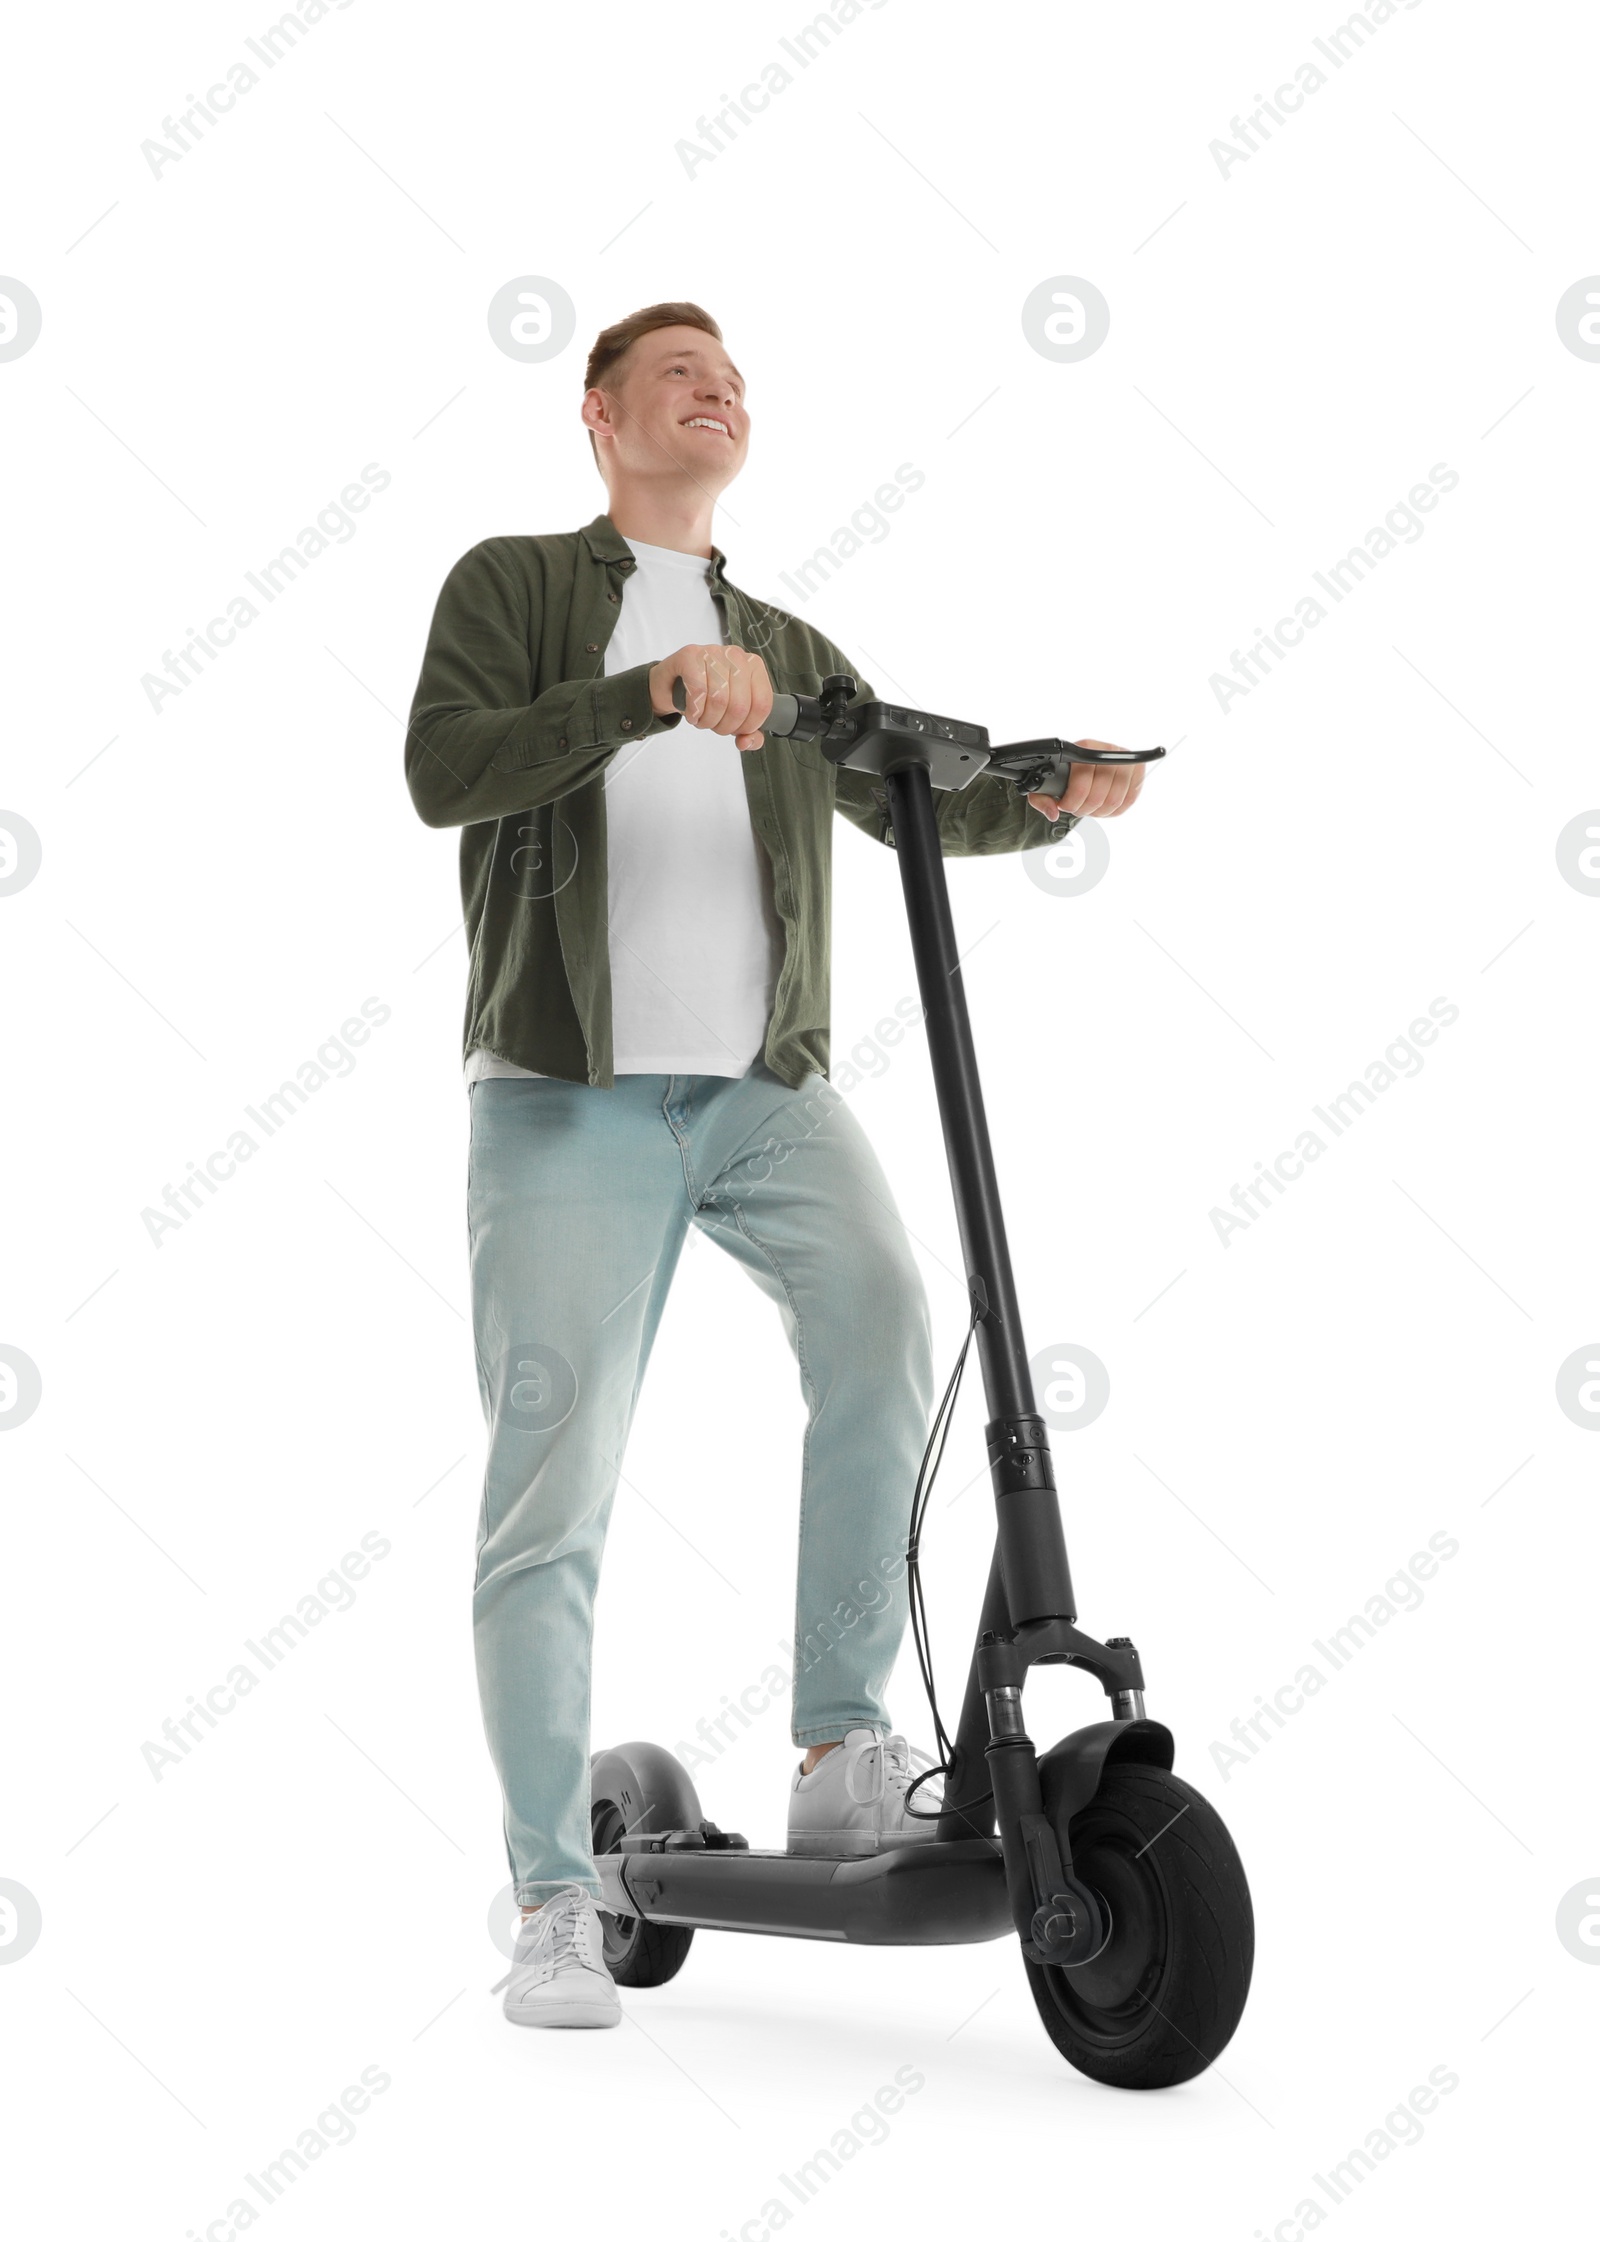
point(558, 1972)
point(854, 1799)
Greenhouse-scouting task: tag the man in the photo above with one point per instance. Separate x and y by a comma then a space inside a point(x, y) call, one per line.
point(647, 905)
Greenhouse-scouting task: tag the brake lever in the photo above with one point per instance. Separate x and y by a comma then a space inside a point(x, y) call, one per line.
point(1032, 765)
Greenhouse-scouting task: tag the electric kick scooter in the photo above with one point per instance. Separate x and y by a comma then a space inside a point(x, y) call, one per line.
point(1119, 1881)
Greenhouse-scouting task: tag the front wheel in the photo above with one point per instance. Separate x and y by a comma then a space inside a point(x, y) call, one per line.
point(1162, 1998)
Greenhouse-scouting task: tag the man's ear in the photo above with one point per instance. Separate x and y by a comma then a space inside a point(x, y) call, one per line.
point(594, 415)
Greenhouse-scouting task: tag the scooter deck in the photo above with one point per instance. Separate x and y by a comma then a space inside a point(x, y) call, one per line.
point(923, 1894)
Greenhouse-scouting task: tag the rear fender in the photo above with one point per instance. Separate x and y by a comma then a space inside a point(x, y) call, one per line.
point(653, 1790)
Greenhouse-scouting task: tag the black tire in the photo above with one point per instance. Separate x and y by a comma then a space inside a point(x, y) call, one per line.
point(637, 1788)
point(1162, 1999)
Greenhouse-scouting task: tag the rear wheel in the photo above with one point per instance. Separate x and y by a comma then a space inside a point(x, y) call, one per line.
point(636, 1789)
point(1162, 1998)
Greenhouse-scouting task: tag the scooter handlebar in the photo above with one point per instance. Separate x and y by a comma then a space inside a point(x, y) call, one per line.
point(1032, 766)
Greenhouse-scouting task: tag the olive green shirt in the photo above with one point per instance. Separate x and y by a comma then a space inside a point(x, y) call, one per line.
point(511, 729)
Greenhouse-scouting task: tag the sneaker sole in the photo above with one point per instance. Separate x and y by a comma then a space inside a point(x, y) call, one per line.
point(569, 2014)
point(851, 1844)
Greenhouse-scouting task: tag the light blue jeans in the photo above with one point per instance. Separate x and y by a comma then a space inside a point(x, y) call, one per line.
point(579, 1202)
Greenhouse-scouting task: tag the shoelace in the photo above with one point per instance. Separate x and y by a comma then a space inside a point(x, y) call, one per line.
point(891, 1758)
point(555, 1938)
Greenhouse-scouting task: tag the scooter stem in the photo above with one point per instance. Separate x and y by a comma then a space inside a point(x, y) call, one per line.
point(1032, 1547)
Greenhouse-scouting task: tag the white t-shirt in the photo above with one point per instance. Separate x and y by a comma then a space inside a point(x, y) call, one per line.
point(696, 943)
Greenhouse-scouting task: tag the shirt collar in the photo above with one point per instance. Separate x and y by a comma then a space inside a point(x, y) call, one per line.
point(607, 542)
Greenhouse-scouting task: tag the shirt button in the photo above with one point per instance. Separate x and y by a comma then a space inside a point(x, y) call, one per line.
point(561, 743)
point(627, 723)
point(593, 647)
point(615, 598)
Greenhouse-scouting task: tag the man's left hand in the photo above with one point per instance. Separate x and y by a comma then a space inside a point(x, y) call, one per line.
point(1095, 789)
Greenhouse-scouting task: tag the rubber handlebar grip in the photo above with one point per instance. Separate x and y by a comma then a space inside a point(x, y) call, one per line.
point(782, 721)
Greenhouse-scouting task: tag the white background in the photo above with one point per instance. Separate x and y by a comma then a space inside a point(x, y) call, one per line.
point(1373, 1361)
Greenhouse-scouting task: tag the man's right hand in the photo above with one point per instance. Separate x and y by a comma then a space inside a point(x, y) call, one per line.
point(725, 690)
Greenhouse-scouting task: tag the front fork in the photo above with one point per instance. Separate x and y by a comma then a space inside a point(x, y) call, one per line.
point(1058, 1918)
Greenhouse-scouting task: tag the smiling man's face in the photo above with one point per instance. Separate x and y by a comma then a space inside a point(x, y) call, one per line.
point(672, 407)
